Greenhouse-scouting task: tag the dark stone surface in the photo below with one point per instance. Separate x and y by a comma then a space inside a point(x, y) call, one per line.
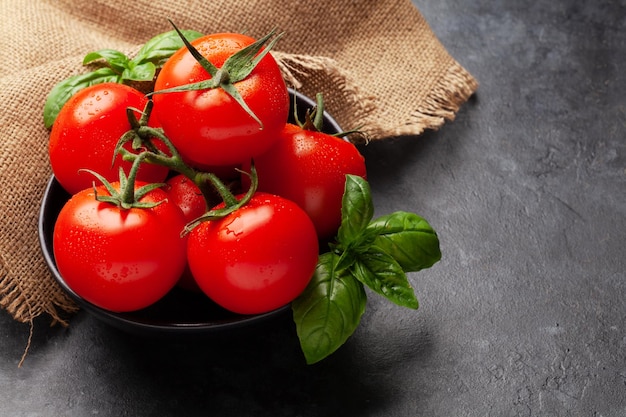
point(524, 316)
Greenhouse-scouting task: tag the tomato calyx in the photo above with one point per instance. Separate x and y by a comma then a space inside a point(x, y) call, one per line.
point(236, 68)
point(127, 196)
point(314, 119)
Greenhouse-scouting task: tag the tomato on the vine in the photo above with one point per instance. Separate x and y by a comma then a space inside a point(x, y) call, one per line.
point(208, 126)
point(188, 197)
point(310, 168)
point(86, 131)
point(256, 259)
point(119, 259)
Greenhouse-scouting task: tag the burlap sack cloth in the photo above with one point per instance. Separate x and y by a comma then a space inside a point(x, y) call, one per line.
point(377, 62)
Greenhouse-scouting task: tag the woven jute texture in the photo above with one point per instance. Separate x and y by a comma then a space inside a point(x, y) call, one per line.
point(377, 63)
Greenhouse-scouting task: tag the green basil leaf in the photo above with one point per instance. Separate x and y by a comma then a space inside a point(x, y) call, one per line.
point(115, 59)
point(140, 72)
point(328, 311)
point(345, 261)
point(408, 238)
point(381, 273)
point(62, 92)
point(356, 211)
point(158, 49)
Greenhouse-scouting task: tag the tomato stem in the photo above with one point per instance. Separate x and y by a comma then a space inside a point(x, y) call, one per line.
point(218, 213)
point(222, 76)
point(128, 198)
point(224, 192)
point(318, 121)
point(313, 117)
point(314, 120)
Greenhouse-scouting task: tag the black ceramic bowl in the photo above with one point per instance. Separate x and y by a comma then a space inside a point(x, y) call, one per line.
point(180, 311)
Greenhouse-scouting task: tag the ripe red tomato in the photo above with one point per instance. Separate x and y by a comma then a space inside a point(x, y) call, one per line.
point(86, 131)
point(310, 168)
point(208, 127)
point(256, 259)
point(120, 260)
point(188, 197)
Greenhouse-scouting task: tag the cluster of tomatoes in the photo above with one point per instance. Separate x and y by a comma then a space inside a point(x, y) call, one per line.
point(218, 121)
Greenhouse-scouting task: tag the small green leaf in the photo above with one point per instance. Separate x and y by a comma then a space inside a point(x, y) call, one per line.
point(140, 72)
point(381, 273)
point(408, 238)
point(328, 311)
point(115, 59)
point(345, 261)
point(65, 89)
point(119, 68)
point(356, 211)
point(158, 49)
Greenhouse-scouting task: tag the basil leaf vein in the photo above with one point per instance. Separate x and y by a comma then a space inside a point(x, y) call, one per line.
point(328, 312)
point(408, 238)
point(381, 273)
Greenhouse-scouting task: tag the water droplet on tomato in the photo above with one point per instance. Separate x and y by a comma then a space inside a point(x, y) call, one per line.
point(124, 272)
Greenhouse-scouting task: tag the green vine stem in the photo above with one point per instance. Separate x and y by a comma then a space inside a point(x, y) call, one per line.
point(142, 136)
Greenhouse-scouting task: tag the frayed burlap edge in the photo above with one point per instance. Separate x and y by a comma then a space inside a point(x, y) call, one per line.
point(454, 88)
point(349, 106)
point(20, 305)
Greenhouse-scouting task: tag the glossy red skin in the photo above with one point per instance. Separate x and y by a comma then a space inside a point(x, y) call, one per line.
point(188, 197)
point(207, 126)
point(119, 260)
point(257, 259)
point(310, 169)
point(86, 131)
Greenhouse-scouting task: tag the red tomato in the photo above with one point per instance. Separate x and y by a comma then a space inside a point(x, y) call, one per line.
point(208, 127)
point(256, 259)
point(188, 197)
point(120, 260)
point(310, 168)
point(86, 131)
